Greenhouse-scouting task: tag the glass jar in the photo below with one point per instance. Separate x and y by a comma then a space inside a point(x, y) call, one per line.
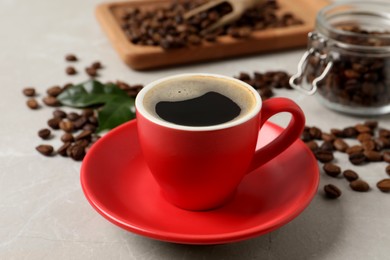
point(348, 58)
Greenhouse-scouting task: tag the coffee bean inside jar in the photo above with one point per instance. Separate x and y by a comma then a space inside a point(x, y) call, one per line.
point(348, 61)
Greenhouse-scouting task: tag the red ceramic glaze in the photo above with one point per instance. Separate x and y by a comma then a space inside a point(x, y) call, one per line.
point(201, 169)
point(119, 185)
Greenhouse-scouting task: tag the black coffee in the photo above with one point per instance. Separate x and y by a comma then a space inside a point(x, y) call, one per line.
point(209, 109)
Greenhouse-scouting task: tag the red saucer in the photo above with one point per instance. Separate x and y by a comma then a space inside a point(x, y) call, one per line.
point(120, 187)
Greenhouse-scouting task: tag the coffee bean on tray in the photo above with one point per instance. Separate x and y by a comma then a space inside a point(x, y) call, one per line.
point(359, 185)
point(332, 191)
point(384, 185)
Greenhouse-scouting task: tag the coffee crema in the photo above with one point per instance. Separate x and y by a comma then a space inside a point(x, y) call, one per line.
point(199, 101)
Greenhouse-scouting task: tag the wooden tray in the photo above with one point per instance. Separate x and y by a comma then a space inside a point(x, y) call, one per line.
point(148, 57)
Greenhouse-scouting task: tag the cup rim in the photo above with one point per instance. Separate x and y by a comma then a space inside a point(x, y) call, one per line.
point(141, 109)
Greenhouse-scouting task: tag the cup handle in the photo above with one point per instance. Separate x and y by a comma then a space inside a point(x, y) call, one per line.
point(293, 131)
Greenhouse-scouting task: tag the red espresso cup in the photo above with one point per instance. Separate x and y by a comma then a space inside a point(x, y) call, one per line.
point(199, 167)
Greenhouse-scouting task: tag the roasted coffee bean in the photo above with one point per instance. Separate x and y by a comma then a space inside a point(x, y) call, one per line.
point(76, 152)
point(313, 146)
point(67, 137)
point(72, 116)
point(46, 150)
point(364, 137)
point(373, 156)
point(315, 133)
point(337, 132)
point(54, 123)
point(80, 122)
point(90, 127)
point(328, 137)
point(331, 191)
point(324, 156)
point(93, 120)
point(86, 134)
point(44, 133)
point(51, 101)
point(350, 132)
point(32, 103)
point(357, 158)
point(340, 145)
point(332, 169)
point(96, 65)
point(327, 146)
point(70, 70)
point(388, 169)
point(62, 150)
point(71, 57)
point(371, 124)
point(306, 137)
point(67, 126)
point(29, 92)
point(82, 142)
point(354, 149)
point(384, 185)
point(363, 128)
point(91, 72)
point(54, 91)
point(87, 112)
point(369, 145)
point(59, 113)
point(382, 142)
point(359, 185)
point(350, 175)
point(386, 156)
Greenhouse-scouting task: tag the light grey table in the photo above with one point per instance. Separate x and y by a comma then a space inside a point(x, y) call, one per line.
point(43, 212)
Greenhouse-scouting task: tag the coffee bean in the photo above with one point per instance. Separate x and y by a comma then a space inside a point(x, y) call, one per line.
point(354, 149)
point(350, 132)
point(67, 126)
point(54, 123)
point(313, 146)
point(90, 127)
point(350, 175)
point(386, 156)
point(70, 70)
point(388, 169)
point(93, 120)
point(83, 135)
point(332, 169)
point(324, 156)
point(46, 150)
point(359, 185)
point(327, 146)
point(328, 137)
point(315, 133)
point(337, 132)
point(29, 92)
point(62, 150)
point(369, 145)
point(363, 128)
point(331, 191)
point(87, 112)
point(72, 116)
point(59, 113)
point(384, 185)
point(340, 145)
point(357, 158)
point(51, 101)
point(364, 137)
point(71, 57)
point(371, 124)
point(44, 133)
point(82, 142)
point(373, 156)
point(67, 137)
point(54, 91)
point(80, 122)
point(91, 72)
point(384, 133)
point(96, 65)
point(32, 103)
point(76, 152)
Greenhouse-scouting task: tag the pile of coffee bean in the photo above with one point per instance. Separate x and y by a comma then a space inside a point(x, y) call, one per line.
point(77, 130)
point(355, 80)
point(373, 144)
point(265, 82)
point(166, 27)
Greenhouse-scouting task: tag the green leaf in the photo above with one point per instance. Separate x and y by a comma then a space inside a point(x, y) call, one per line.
point(116, 107)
